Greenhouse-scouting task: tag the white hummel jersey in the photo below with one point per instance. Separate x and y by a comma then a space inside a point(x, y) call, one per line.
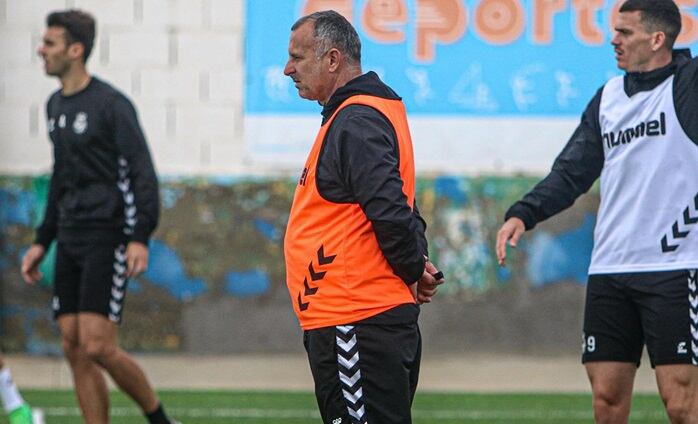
point(648, 217)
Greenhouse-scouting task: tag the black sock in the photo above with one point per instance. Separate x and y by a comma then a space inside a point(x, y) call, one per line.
point(158, 416)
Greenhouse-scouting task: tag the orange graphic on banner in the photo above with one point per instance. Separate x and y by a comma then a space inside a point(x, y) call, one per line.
point(438, 21)
point(543, 12)
point(499, 21)
point(587, 30)
point(689, 23)
point(381, 17)
point(343, 7)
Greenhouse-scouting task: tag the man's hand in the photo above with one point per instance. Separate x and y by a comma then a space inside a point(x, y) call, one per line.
point(427, 286)
point(136, 259)
point(511, 232)
point(30, 263)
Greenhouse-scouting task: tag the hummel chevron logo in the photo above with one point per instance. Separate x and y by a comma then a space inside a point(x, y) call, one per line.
point(124, 185)
point(348, 363)
point(119, 268)
point(666, 247)
point(694, 348)
point(120, 255)
point(347, 346)
point(693, 300)
point(130, 211)
point(694, 333)
point(115, 307)
point(309, 291)
point(322, 259)
point(302, 306)
point(694, 316)
point(692, 285)
point(118, 281)
point(357, 414)
point(676, 232)
point(345, 328)
point(350, 381)
point(687, 218)
point(117, 294)
point(315, 276)
point(353, 397)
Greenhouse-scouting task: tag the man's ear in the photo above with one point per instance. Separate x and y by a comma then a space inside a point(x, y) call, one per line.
point(76, 50)
point(335, 57)
point(658, 40)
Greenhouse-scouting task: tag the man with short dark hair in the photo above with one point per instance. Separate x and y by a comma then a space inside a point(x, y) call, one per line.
point(639, 134)
point(102, 208)
point(355, 247)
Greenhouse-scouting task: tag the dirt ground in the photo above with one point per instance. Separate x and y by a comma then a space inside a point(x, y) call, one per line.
point(470, 373)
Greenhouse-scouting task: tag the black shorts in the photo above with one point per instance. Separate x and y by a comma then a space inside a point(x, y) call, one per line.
point(365, 372)
point(626, 311)
point(90, 278)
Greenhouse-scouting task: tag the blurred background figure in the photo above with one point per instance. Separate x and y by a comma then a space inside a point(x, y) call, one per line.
point(18, 411)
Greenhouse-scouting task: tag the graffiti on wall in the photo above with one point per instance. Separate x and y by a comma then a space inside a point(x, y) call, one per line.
point(221, 240)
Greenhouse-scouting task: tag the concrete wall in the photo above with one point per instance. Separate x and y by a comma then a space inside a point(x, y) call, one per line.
point(216, 281)
point(180, 61)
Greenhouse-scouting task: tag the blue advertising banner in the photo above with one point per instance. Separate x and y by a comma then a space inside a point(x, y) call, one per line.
point(487, 57)
point(512, 74)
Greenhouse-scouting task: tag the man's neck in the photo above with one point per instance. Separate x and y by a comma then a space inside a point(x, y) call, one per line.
point(659, 61)
point(342, 80)
point(74, 81)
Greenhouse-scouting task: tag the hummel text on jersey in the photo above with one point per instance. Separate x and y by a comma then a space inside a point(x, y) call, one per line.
point(650, 128)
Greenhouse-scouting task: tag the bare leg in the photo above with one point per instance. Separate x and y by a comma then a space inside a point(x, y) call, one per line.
point(678, 386)
point(90, 384)
point(612, 387)
point(98, 337)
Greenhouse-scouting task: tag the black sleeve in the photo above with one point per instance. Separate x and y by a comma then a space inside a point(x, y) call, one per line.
point(421, 231)
point(367, 167)
point(573, 172)
point(132, 146)
point(46, 232)
point(686, 98)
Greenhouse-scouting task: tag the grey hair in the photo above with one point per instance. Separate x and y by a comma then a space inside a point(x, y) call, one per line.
point(332, 30)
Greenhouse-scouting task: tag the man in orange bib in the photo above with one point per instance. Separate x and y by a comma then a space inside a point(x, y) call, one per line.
point(355, 248)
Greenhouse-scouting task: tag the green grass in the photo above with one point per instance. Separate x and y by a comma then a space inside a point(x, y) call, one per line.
point(214, 407)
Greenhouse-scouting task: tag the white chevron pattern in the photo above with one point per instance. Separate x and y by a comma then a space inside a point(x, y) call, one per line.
point(119, 255)
point(115, 307)
point(118, 281)
point(350, 373)
point(117, 294)
point(693, 313)
point(124, 185)
point(344, 329)
point(118, 289)
point(346, 346)
point(350, 381)
point(357, 413)
point(348, 362)
point(353, 397)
